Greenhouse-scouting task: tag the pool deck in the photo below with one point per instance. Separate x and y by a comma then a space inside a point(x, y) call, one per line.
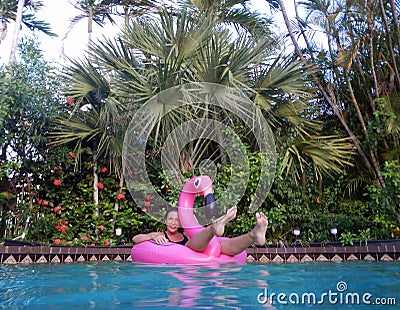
point(334, 252)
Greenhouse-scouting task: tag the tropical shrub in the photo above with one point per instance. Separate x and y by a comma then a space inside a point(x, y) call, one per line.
point(385, 202)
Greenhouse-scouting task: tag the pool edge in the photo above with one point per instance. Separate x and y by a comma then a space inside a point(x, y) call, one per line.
point(26, 254)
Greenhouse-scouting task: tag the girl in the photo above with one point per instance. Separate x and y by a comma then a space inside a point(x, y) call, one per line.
point(199, 242)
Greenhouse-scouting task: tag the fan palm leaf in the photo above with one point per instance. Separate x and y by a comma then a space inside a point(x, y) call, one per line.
point(327, 154)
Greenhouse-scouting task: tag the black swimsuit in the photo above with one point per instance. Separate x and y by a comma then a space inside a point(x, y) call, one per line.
point(182, 242)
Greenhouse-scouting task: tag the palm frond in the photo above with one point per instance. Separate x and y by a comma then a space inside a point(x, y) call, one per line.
point(327, 154)
point(75, 129)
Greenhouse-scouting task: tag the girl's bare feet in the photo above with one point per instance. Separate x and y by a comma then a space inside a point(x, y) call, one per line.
point(258, 232)
point(219, 224)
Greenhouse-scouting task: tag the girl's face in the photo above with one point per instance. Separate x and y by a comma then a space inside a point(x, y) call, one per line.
point(172, 221)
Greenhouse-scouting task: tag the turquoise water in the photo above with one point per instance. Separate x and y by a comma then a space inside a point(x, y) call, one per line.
point(124, 285)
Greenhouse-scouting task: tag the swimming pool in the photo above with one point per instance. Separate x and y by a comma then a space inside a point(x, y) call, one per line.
point(124, 285)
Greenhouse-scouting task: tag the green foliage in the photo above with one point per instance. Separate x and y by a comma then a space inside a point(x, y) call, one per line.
point(68, 214)
point(385, 201)
point(365, 235)
point(64, 211)
point(381, 123)
point(347, 238)
point(29, 95)
point(288, 205)
point(116, 81)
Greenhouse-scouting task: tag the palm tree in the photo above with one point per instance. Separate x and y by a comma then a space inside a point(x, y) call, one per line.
point(13, 10)
point(99, 116)
point(95, 120)
point(231, 13)
point(95, 12)
point(101, 12)
point(344, 64)
point(177, 47)
point(18, 21)
point(391, 44)
point(283, 94)
point(285, 77)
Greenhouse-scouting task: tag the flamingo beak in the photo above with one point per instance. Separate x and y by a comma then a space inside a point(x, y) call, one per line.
point(210, 208)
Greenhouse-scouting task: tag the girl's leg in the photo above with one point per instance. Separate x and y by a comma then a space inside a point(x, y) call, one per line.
point(257, 234)
point(200, 241)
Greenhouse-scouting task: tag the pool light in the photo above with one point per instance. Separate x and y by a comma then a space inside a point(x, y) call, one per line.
point(118, 232)
point(296, 232)
point(334, 232)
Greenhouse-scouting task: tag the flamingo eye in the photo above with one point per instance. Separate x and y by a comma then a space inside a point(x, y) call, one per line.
point(197, 183)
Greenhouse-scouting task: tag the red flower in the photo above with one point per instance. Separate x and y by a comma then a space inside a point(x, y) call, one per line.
point(56, 168)
point(40, 202)
point(167, 189)
point(101, 227)
point(93, 244)
point(56, 209)
point(106, 242)
point(70, 101)
point(57, 182)
point(150, 197)
point(72, 154)
point(100, 185)
point(62, 226)
point(45, 203)
point(104, 169)
point(57, 241)
point(120, 196)
point(146, 203)
point(86, 238)
point(6, 193)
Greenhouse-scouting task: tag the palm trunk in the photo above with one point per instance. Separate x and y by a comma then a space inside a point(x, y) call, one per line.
point(95, 179)
point(117, 202)
point(3, 31)
point(395, 22)
point(95, 188)
point(18, 23)
point(3, 188)
point(330, 96)
point(90, 29)
point(375, 164)
point(127, 13)
point(390, 46)
point(90, 26)
point(289, 29)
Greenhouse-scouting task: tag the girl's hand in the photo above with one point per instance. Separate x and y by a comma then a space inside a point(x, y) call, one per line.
point(159, 239)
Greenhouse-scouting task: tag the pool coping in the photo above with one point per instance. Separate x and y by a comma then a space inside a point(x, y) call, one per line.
point(27, 254)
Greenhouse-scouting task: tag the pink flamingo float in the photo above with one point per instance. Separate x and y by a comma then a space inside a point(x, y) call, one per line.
point(150, 252)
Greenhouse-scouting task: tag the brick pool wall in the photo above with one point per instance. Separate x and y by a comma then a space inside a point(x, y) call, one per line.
point(23, 254)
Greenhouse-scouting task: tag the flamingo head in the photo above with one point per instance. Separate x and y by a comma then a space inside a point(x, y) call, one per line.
point(202, 185)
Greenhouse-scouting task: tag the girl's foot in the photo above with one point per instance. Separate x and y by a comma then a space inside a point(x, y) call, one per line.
point(258, 232)
point(219, 224)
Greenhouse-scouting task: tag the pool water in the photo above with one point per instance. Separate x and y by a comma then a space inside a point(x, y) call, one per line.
point(125, 285)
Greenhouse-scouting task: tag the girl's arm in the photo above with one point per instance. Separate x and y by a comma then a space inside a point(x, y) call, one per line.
point(158, 237)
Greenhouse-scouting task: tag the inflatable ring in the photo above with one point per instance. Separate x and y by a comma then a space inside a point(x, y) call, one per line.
point(173, 253)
